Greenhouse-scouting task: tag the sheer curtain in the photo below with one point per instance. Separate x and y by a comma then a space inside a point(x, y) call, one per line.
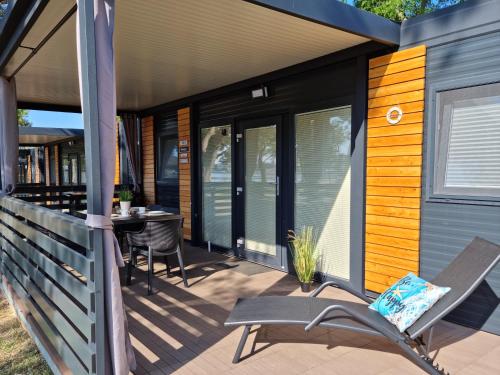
point(129, 126)
point(9, 135)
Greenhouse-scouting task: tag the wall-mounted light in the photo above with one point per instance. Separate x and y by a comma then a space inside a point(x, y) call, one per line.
point(260, 93)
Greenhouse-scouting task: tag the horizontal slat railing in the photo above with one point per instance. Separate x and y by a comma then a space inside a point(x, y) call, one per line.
point(47, 259)
point(63, 197)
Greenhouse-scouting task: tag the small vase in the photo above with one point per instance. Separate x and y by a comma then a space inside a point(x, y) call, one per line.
point(125, 205)
point(305, 287)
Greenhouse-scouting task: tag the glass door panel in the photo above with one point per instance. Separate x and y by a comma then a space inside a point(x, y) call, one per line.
point(323, 184)
point(258, 197)
point(216, 160)
point(260, 189)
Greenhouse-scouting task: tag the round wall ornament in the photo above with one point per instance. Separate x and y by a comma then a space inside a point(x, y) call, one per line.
point(394, 115)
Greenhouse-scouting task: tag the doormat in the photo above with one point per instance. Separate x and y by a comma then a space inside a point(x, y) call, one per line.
point(244, 267)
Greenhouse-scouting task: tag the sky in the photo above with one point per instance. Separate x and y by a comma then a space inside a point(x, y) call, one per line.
point(48, 119)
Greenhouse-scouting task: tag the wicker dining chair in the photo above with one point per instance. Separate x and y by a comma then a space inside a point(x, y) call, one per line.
point(156, 239)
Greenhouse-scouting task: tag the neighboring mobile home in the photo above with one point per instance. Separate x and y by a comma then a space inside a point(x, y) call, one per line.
point(51, 156)
point(256, 117)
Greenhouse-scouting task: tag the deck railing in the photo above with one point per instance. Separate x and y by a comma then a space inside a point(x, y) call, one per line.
point(63, 197)
point(53, 275)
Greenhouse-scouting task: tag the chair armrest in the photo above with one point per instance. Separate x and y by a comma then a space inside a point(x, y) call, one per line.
point(359, 317)
point(342, 286)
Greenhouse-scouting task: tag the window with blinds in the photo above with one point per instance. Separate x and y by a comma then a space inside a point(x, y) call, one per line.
point(323, 184)
point(468, 142)
point(216, 184)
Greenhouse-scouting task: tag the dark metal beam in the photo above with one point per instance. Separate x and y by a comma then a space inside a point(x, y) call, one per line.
point(19, 21)
point(340, 16)
point(49, 35)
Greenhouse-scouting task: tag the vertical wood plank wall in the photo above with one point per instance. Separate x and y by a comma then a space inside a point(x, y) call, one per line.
point(183, 123)
point(56, 157)
point(38, 174)
point(394, 167)
point(148, 160)
point(47, 165)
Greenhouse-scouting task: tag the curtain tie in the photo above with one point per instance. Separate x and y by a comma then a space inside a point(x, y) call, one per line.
point(99, 222)
point(105, 223)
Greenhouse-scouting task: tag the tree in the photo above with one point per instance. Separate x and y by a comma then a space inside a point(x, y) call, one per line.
point(22, 117)
point(3, 8)
point(399, 10)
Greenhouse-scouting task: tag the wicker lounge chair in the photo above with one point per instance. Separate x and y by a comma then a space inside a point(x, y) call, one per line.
point(463, 275)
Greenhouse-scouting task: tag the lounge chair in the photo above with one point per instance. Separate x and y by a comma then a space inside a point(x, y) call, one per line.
point(463, 275)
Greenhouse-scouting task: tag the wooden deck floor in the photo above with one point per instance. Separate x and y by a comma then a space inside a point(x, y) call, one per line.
point(181, 330)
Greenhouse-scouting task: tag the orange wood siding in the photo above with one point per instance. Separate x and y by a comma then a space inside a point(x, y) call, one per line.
point(56, 157)
point(37, 168)
point(29, 170)
point(394, 167)
point(117, 159)
point(47, 165)
point(183, 123)
point(148, 160)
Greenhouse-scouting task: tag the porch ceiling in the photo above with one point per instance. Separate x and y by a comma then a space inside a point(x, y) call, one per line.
point(169, 49)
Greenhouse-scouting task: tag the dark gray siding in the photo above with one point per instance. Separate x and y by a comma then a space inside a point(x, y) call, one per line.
point(306, 90)
point(468, 19)
point(446, 226)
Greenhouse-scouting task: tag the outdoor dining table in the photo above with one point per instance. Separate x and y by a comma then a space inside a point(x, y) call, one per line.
point(119, 220)
point(132, 223)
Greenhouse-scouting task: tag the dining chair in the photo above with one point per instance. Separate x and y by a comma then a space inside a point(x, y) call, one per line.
point(157, 239)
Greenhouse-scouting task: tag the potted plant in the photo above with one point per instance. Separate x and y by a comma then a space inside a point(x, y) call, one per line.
point(304, 250)
point(125, 197)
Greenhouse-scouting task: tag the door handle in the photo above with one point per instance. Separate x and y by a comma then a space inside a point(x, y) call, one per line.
point(277, 186)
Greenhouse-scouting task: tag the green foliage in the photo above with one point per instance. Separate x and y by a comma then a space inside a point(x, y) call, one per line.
point(22, 117)
point(399, 10)
point(305, 255)
point(126, 195)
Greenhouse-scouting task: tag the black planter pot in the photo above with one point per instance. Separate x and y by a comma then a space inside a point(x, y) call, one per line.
point(305, 287)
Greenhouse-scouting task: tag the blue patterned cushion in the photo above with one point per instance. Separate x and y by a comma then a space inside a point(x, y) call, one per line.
point(404, 302)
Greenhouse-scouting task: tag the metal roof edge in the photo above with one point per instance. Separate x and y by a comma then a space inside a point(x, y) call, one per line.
point(339, 16)
point(30, 130)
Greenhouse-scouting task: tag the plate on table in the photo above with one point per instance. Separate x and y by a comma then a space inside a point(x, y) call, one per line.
point(155, 213)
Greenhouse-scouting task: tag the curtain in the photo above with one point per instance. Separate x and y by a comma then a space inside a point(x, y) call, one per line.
point(9, 135)
point(129, 123)
point(119, 354)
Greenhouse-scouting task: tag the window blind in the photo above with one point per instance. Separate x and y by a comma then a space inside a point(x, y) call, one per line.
point(260, 189)
point(473, 159)
point(323, 184)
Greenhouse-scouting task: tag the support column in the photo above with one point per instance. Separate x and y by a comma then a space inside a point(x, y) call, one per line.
point(90, 111)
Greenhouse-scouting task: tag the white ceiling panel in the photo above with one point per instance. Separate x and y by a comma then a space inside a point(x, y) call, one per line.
point(168, 49)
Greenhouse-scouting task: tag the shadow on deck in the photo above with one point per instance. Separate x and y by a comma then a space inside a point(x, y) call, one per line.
point(179, 330)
